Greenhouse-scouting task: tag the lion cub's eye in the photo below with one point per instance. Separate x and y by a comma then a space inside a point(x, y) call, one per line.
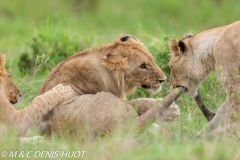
point(143, 66)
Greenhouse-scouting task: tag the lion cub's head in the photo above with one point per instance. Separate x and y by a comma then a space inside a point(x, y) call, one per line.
point(8, 88)
point(133, 65)
point(118, 67)
point(183, 67)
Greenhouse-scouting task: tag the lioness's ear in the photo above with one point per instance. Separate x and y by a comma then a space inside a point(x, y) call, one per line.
point(114, 62)
point(176, 46)
point(2, 61)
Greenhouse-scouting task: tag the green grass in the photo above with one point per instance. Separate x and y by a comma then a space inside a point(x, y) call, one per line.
point(75, 25)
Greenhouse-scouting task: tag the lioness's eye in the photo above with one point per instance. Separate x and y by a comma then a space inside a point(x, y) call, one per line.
point(143, 66)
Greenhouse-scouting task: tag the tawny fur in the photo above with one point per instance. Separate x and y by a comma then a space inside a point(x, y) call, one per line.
point(23, 120)
point(196, 56)
point(117, 68)
point(92, 115)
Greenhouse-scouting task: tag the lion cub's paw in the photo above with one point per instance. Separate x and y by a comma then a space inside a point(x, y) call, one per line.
point(170, 114)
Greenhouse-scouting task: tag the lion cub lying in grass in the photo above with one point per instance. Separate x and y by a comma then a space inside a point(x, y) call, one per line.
point(92, 115)
point(23, 120)
point(102, 77)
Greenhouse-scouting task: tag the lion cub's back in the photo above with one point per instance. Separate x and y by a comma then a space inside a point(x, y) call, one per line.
point(92, 114)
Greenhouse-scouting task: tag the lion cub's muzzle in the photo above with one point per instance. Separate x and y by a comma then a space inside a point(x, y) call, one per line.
point(153, 88)
point(16, 99)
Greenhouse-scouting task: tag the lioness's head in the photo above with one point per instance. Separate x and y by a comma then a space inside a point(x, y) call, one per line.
point(7, 87)
point(182, 66)
point(133, 65)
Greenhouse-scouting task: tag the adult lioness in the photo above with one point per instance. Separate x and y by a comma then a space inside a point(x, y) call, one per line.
point(195, 56)
point(117, 68)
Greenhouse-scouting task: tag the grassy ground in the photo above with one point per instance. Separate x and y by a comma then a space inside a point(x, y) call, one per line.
point(70, 26)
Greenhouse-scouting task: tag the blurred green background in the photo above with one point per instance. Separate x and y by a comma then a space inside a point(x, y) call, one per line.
point(31, 27)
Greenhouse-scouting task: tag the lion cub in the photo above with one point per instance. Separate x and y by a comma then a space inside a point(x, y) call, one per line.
point(103, 76)
point(195, 56)
point(23, 120)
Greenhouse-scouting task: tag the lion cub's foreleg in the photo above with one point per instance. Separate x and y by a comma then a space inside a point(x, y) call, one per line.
point(24, 119)
point(158, 109)
point(142, 105)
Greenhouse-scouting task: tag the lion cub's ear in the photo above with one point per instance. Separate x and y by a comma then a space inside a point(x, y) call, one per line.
point(176, 46)
point(124, 37)
point(115, 62)
point(128, 38)
point(187, 35)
